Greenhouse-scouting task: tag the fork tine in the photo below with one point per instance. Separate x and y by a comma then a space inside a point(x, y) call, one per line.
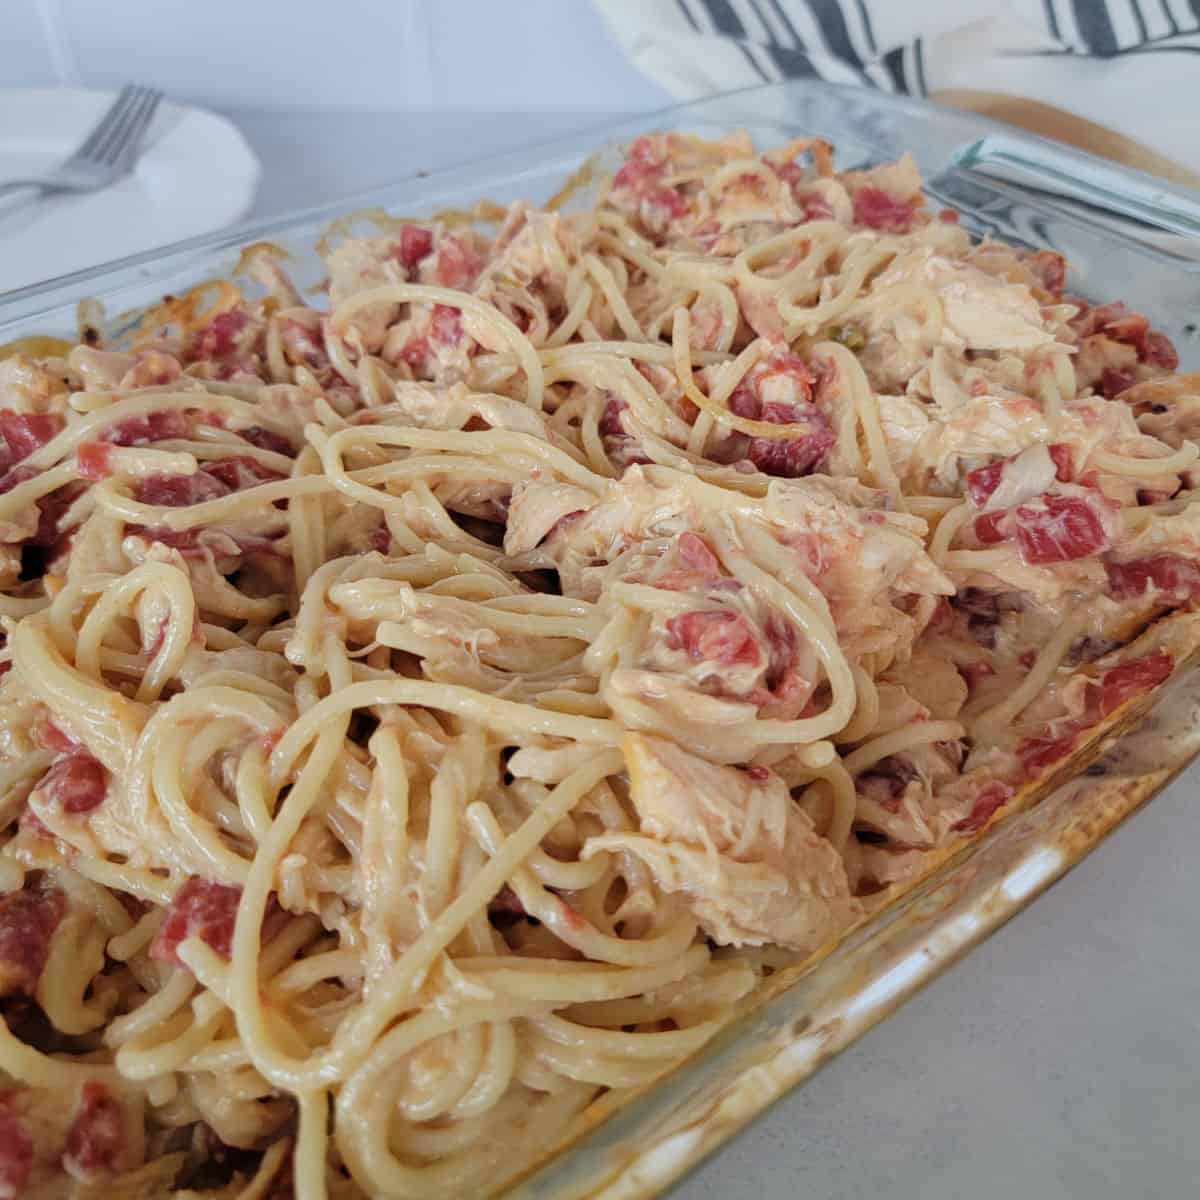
point(136, 129)
point(114, 138)
point(114, 113)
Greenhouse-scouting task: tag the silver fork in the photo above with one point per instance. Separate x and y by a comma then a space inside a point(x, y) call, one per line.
point(107, 153)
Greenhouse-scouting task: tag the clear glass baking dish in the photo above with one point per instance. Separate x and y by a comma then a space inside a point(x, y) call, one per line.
point(1125, 235)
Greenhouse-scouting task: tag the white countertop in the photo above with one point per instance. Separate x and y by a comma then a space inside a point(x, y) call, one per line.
point(1059, 1059)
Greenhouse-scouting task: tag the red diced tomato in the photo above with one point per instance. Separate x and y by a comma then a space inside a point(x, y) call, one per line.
point(1129, 679)
point(199, 909)
point(50, 737)
point(991, 796)
point(1176, 577)
point(153, 427)
point(983, 481)
point(415, 244)
point(797, 454)
point(96, 1138)
point(218, 338)
point(1064, 462)
point(28, 919)
point(94, 460)
point(264, 439)
point(1057, 529)
point(987, 528)
point(26, 432)
point(240, 471)
point(75, 784)
point(16, 1156)
point(1037, 753)
point(178, 491)
point(876, 209)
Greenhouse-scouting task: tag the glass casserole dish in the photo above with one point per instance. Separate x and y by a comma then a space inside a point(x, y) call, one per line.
point(1018, 188)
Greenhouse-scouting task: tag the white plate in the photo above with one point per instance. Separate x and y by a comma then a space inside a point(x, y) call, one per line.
point(196, 174)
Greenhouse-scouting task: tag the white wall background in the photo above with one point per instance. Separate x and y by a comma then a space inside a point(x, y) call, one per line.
point(307, 55)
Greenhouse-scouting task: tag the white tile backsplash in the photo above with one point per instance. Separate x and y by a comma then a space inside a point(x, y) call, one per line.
point(480, 55)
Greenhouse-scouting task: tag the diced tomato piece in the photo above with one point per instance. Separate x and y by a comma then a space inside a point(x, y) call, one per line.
point(991, 797)
point(983, 481)
point(178, 491)
point(415, 244)
point(667, 200)
point(1064, 462)
point(94, 460)
point(797, 454)
point(76, 783)
point(240, 471)
point(26, 432)
point(96, 1137)
point(457, 264)
point(50, 737)
point(16, 476)
point(16, 1156)
point(758, 774)
point(782, 379)
point(153, 427)
point(644, 160)
point(1176, 577)
point(1129, 679)
point(715, 636)
point(876, 209)
point(28, 919)
point(1037, 753)
point(1057, 529)
point(199, 909)
point(779, 391)
point(1114, 381)
point(987, 528)
point(218, 338)
point(640, 176)
point(264, 439)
